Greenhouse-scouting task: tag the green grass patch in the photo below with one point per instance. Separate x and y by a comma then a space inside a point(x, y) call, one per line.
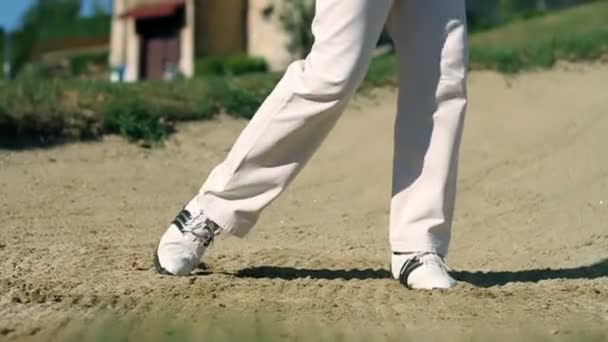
point(57, 110)
point(382, 72)
point(235, 65)
point(80, 63)
point(576, 34)
point(256, 328)
point(130, 119)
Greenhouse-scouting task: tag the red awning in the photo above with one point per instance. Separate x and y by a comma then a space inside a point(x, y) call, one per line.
point(163, 9)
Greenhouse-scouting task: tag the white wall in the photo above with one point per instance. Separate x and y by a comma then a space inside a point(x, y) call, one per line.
point(266, 37)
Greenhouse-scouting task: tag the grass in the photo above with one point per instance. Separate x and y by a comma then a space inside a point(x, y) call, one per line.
point(232, 66)
point(49, 111)
point(255, 328)
point(580, 33)
point(43, 112)
point(55, 110)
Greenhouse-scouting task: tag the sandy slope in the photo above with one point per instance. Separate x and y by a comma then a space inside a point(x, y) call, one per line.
point(79, 221)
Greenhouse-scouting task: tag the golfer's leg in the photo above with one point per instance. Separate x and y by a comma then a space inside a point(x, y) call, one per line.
point(430, 38)
point(297, 116)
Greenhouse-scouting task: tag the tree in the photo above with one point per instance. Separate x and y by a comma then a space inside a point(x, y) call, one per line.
point(510, 8)
point(100, 7)
point(45, 12)
point(42, 18)
point(297, 17)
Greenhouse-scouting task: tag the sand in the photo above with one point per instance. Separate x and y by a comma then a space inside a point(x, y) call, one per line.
point(530, 243)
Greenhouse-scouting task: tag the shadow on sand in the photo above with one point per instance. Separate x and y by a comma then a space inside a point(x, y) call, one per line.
point(476, 278)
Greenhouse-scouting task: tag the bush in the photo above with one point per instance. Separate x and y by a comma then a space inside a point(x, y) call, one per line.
point(79, 64)
point(56, 110)
point(382, 72)
point(296, 19)
point(234, 100)
point(47, 111)
point(181, 100)
point(209, 66)
point(243, 64)
point(240, 102)
point(260, 85)
point(233, 66)
point(131, 119)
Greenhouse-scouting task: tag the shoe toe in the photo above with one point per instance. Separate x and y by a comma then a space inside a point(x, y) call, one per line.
point(159, 268)
point(429, 277)
point(173, 255)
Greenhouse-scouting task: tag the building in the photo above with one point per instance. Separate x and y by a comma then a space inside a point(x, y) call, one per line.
point(158, 39)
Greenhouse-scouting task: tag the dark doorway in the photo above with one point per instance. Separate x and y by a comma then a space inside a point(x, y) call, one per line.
point(160, 45)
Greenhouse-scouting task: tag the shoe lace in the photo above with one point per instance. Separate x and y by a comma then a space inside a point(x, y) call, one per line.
point(203, 229)
point(433, 258)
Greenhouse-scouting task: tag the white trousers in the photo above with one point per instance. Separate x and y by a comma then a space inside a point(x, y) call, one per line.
point(431, 47)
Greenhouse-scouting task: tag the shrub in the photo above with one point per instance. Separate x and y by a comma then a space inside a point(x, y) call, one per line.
point(67, 109)
point(382, 71)
point(181, 100)
point(131, 119)
point(234, 65)
point(260, 85)
point(236, 101)
point(80, 63)
point(47, 111)
point(296, 18)
point(244, 64)
point(209, 66)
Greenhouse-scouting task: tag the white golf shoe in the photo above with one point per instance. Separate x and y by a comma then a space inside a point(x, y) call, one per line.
point(181, 248)
point(422, 271)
